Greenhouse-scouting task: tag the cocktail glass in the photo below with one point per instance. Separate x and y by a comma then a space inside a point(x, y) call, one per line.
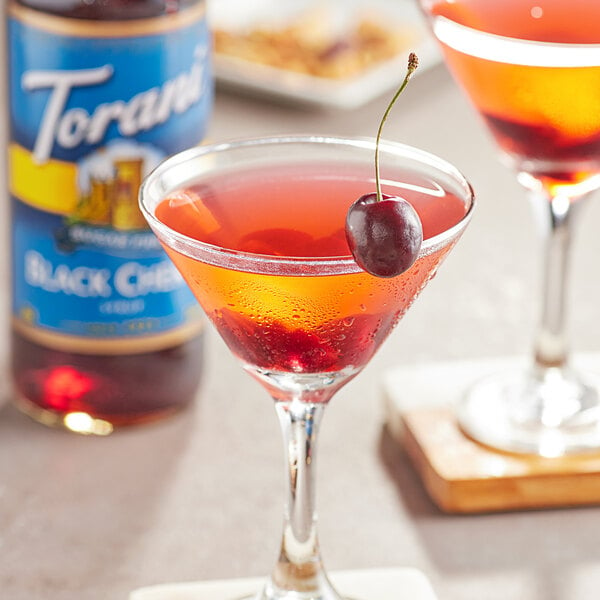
point(256, 228)
point(532, 70)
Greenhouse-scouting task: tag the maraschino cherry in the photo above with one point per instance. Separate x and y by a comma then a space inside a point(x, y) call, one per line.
point(384, 232)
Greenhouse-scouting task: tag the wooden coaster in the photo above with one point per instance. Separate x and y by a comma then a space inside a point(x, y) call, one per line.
point(463, 476)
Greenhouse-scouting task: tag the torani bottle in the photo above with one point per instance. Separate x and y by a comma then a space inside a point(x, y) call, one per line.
point(104, 331)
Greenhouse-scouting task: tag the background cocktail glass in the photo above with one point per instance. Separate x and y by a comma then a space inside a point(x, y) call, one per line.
point(532, 70)
point(256, 228)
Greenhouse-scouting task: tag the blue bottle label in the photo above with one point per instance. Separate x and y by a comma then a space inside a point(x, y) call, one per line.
point(94, 107)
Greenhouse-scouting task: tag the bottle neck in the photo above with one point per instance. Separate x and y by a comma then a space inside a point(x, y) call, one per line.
point(109, 10)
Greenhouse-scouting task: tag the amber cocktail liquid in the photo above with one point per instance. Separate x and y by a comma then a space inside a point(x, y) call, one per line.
point(540, 102)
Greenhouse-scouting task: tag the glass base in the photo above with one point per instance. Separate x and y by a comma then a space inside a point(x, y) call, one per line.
point(316, 588)
point(362, 584)
point(294, 596)
point(297, 582)
point(264, 595)
point(551, 413)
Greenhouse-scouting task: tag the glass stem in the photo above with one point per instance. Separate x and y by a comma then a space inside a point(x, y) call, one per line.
point(299, 572)
point(550, 345)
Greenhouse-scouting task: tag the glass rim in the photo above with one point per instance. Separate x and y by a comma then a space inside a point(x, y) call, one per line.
point(263, 263)
point(512, 50)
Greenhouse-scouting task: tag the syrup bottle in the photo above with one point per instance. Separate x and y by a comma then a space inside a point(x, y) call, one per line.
point(104, 331)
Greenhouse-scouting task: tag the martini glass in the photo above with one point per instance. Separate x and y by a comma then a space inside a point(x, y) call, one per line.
point(256, 227)
point(532, 70)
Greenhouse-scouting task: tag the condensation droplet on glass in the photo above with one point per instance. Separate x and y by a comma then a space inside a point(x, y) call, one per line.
point(537, 12)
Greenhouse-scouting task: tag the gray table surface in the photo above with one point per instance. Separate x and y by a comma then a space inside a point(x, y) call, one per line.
point(199, 496)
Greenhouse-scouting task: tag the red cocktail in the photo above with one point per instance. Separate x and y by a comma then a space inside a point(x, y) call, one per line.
point(304, 321)
point(257, 230)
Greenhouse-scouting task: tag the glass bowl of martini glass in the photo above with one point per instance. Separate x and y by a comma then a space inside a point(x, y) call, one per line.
point(532, 70)
point(256, 228)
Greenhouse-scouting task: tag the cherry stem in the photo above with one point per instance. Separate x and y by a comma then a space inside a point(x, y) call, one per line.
point(413, 63)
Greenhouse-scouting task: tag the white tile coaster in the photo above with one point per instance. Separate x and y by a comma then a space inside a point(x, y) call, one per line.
point(410, 387)
point(367, 584)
